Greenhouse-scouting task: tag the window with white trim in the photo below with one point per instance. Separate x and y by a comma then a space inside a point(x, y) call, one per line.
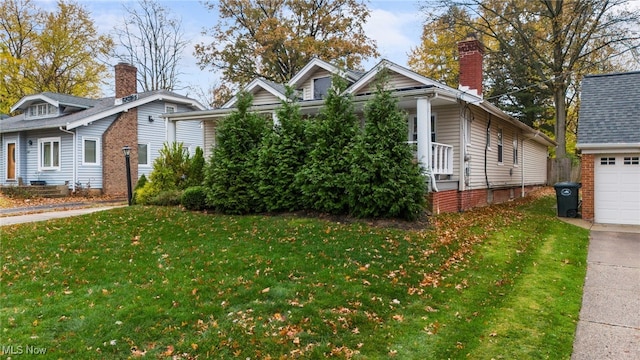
point(90, 151)
point(413, 129)
point(499, 145)
point(321, 87)
point(49, 154)
point(632, 160)
point(169, 109)
point(41, 110)
point(143, 154)
point(516, 144)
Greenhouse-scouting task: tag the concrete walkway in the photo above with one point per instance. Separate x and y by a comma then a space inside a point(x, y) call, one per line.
point(28, 218)
point(609, 324)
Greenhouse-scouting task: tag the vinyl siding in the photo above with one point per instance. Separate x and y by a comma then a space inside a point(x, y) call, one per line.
point(396, 81)
point(89, 174)
point(155, 133)
point(263, 97)
point(535, 162)
point(52, 177)
point(209, 137)
point(448, 132)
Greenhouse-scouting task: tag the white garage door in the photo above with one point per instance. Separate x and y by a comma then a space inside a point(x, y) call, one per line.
point(617, 189)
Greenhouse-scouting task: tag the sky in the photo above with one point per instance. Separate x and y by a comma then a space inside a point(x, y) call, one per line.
point(396, 27)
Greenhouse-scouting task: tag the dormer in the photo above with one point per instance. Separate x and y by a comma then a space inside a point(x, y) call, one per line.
point(48, 105)
point(313, 81)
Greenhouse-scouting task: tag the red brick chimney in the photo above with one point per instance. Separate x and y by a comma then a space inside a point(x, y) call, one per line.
point(125, 80)
point(471, 52)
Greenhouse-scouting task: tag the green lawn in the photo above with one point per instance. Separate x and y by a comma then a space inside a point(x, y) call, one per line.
point(499, 282)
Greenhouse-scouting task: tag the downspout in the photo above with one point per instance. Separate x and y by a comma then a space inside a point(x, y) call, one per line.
point(486, 150)
point(75, 157)
point(522, 157)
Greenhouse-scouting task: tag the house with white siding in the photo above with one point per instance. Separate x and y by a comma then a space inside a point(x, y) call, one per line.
point(59, 139)
point(474, 153)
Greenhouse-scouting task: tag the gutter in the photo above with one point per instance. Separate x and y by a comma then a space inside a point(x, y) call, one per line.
point(75, 157)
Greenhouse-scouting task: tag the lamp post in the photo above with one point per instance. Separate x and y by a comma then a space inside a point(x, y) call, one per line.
point(127, 161)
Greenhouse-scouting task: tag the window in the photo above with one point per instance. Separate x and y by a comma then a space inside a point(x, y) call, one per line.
point(42, 110)
point(169, 109)
point(49, 154)
point(515, 149)
point(90, 150)
point(321, 87)
point(607, 161)
point(413, 129)
point(634, 160)
point(143, 154)
point(499, 141)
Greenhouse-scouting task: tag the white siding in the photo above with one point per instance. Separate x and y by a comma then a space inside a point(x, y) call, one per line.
point(209, 137)
point(396, 81)
point(263, 97)
point(448, 132)
point(534, 159)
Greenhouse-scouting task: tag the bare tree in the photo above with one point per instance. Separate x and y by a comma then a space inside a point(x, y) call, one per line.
point(152, 41)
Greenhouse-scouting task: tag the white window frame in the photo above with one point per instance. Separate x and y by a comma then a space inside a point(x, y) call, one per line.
point(170, 106)
point(97, 141)
point(148, 164)
point(412, 134)
point(516, 150)
point(313, 87)
point(41, 110)
point(500, 146)
point(51, 141)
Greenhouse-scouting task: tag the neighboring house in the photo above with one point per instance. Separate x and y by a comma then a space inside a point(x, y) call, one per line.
point(60, 139)
point(474, 152)
point(609, 138)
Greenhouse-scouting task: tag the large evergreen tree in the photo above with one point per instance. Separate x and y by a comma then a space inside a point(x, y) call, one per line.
point(385, 180)
point(230, 174)
point(281, 156)
point(324, 176)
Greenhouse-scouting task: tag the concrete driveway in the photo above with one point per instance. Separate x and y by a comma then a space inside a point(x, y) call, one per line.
point(609, 325)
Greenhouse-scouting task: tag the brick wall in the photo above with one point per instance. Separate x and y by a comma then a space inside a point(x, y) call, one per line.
point(123, 131)
point(471, 54)
point(125, 80)
point(473, 198)
point(444, 201)
point(588, 186)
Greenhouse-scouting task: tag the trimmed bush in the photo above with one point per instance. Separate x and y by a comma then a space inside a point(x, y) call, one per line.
point(166, 198)
point(139, 185)
point(195, 172)
point(194, 198)
point(169, 173)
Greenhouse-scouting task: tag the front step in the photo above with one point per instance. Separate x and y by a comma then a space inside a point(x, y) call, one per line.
point(44, 191)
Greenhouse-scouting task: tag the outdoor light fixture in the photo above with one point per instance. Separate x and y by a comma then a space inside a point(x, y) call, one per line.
point(30, 142)
point(126, 150)
point(150, 118)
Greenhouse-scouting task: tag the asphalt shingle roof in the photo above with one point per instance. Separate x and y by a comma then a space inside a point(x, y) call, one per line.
point(610, 109)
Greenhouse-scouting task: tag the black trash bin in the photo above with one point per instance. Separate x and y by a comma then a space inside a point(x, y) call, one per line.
point(567, 197)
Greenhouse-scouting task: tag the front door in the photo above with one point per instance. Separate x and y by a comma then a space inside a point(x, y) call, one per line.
point(11, 161)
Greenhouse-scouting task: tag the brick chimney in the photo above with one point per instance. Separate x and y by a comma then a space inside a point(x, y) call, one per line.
point(471, 52)
point(125, 80)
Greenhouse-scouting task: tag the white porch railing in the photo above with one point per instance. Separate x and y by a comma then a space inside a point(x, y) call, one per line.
point(441, 158)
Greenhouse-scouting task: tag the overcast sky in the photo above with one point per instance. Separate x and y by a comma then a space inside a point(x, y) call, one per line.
point(395, 25)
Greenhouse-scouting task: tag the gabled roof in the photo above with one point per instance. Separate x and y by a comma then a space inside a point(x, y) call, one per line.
point(315, 64)
point(370, 76)
point(609, 110)
point(101, 108)
point(278, 90)
point(55, 99)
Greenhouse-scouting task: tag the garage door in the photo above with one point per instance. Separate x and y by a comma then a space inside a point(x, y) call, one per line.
point(617, 189)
